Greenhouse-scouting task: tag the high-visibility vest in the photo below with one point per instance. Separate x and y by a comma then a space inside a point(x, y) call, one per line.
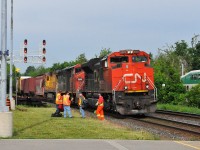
point(80, 100)
point(100, 101)
point(66, 100)
point(59, 99)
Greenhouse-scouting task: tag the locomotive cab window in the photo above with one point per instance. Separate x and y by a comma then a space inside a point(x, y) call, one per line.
point(119, 59)
point(77, 70)
point(139, 59)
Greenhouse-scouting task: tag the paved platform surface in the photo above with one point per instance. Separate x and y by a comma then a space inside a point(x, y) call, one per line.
point(97, 145)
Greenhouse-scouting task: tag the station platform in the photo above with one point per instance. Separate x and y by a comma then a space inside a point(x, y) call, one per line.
point(90, 144)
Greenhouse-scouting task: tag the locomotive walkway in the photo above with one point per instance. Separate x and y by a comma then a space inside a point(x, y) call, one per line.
point(82, 144)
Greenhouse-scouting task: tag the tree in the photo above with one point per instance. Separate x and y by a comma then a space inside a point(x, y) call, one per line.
point(56, 66)
point(81, 59)
point(184, 52)
point(195, 57)
point(104, 52)
point(167, 71)
point(189, 56)
point(29, 70)
point(59, 66)
point(32, 71)
point(193, 96)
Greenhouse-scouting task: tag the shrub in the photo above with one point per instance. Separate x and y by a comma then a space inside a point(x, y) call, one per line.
point(193, 96)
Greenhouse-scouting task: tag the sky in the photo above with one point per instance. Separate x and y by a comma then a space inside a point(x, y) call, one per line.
point(73, 27)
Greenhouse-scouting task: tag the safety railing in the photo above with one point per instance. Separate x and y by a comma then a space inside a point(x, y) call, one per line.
point(154, 87)
point(113, 91)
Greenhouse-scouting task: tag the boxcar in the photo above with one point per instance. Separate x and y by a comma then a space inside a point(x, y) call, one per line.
point(29, 86)
point(21, 84)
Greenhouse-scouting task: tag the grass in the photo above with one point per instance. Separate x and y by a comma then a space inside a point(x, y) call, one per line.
point(178, 108)
point(37, 123)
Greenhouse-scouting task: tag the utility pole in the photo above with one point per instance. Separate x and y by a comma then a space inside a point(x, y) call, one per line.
point(11, 55)
point(3, 56)
point(6, 125)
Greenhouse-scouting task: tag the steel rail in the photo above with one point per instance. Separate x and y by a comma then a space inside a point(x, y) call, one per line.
point(184, 114)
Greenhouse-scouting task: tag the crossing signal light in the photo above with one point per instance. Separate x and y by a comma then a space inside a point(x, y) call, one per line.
point(25, 46)
point(25, 59)
point(25, 50)
point(44, 50)
point(25, 42)
point(44, 42)
point(43, 59)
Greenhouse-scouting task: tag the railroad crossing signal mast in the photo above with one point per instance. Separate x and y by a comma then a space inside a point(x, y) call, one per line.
point(38, 58)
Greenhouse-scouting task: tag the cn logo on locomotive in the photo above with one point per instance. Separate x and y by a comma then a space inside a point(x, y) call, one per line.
point(136, 75)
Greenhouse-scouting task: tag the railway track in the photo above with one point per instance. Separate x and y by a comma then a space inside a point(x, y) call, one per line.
point(183, 127)
point(174, 125)
point(176, 122)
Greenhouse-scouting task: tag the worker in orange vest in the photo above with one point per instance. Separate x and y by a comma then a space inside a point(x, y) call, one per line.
point(66, 105)
point(100, 106)
point(59, 102)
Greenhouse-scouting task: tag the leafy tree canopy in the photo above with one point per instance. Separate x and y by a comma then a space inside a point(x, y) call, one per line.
point(81, 59)
point(104, 52)
point(29, 70)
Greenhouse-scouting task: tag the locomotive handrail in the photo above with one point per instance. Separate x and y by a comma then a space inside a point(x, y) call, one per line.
point(153, 85)
point(118, 84)
point(116, 88)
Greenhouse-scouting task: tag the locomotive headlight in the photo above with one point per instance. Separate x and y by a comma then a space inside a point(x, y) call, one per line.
point(126, 88)
point(147, 86)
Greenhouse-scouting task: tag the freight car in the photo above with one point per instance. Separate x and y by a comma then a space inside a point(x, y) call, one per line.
point(31, 86)
point(21, 84)
point(50, 85)
point(191, 79)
